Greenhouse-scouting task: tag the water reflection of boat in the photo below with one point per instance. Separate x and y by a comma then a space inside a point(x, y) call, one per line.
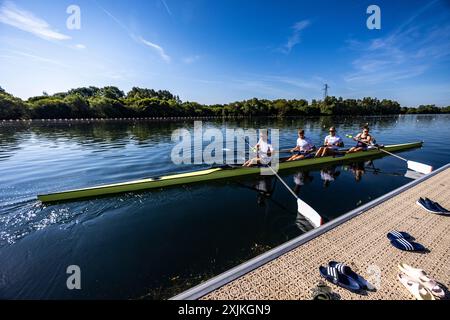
point(359, 169)
point(305, 220)
point(329, 174)
point(265, 188)
point(308, 219)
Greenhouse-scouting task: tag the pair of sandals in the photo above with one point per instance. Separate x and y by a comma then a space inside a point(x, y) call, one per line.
point(432, 206)
point(419, 284)
point(343, 276)
point(403, 241)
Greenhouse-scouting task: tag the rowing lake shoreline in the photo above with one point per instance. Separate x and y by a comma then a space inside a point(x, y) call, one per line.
point(156, 244)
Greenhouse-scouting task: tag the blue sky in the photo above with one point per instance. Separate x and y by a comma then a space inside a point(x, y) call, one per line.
point(219, 51)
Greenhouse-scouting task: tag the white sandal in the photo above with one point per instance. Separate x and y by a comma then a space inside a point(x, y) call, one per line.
point(421, 277)
point(415, 288)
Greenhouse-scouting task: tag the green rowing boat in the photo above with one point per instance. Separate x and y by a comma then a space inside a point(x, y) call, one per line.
point(209, 174)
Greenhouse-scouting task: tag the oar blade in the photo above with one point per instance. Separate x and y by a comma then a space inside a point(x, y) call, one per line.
point(309, 213)
point(411, 174)
point(420, 167)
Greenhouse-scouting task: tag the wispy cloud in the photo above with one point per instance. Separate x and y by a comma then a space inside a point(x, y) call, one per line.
point(30, 56)
point(13, 16)
point(260, 87)
point(191, 59)
point(295, 37)
point(167, 7)
point(116, 20)
point(296, 82)
point(159, 50)
point(281, 86)
point(80, 46)
point(407, 52)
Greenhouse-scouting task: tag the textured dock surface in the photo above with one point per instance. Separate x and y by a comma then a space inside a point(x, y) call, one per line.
point(361, 243)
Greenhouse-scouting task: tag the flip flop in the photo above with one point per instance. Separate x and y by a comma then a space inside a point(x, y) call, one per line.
point(346, 270)
point(332, 274)
point(428, 206)
point(421, 277)
point(399, 235)
point(415, 288)
point(406, 245)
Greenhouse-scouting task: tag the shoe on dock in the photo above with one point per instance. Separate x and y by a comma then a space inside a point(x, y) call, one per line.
point(334, 276)
point(438, 207)
point(393, 235)
point(428, 205)
point(415, 288)
point(406, 245)
point(421, 277)
point(346, 270)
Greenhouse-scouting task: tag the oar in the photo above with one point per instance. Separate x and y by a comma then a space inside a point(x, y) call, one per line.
point(413, 165)
point(305, 209)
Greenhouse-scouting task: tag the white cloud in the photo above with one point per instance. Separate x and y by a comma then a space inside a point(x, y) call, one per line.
point(191, 59)
point(157, 48)
point(80, 46)
point(295, 39)
point(26, 21)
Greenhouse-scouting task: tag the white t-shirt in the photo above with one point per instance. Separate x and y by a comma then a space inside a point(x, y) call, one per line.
point(332, 140)
point(304, 144)
point(264, 149)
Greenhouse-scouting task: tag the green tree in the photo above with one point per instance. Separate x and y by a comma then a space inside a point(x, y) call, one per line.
point(85, 92)
point(111, 93)
point(79, 106)
point(50, 108)
point(11, 107)
point(102, 107)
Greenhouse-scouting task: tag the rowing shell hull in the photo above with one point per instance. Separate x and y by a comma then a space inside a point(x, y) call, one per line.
point(207, 175)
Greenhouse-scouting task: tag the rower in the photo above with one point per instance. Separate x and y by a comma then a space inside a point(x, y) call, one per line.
point(364, 140)
point(304, 147)
point(264, 152)
point(331, 145)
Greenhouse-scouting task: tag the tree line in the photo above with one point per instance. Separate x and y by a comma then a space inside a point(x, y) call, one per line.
point(111, 102)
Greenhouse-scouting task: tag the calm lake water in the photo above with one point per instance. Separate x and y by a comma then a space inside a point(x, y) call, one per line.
point(156, 244)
